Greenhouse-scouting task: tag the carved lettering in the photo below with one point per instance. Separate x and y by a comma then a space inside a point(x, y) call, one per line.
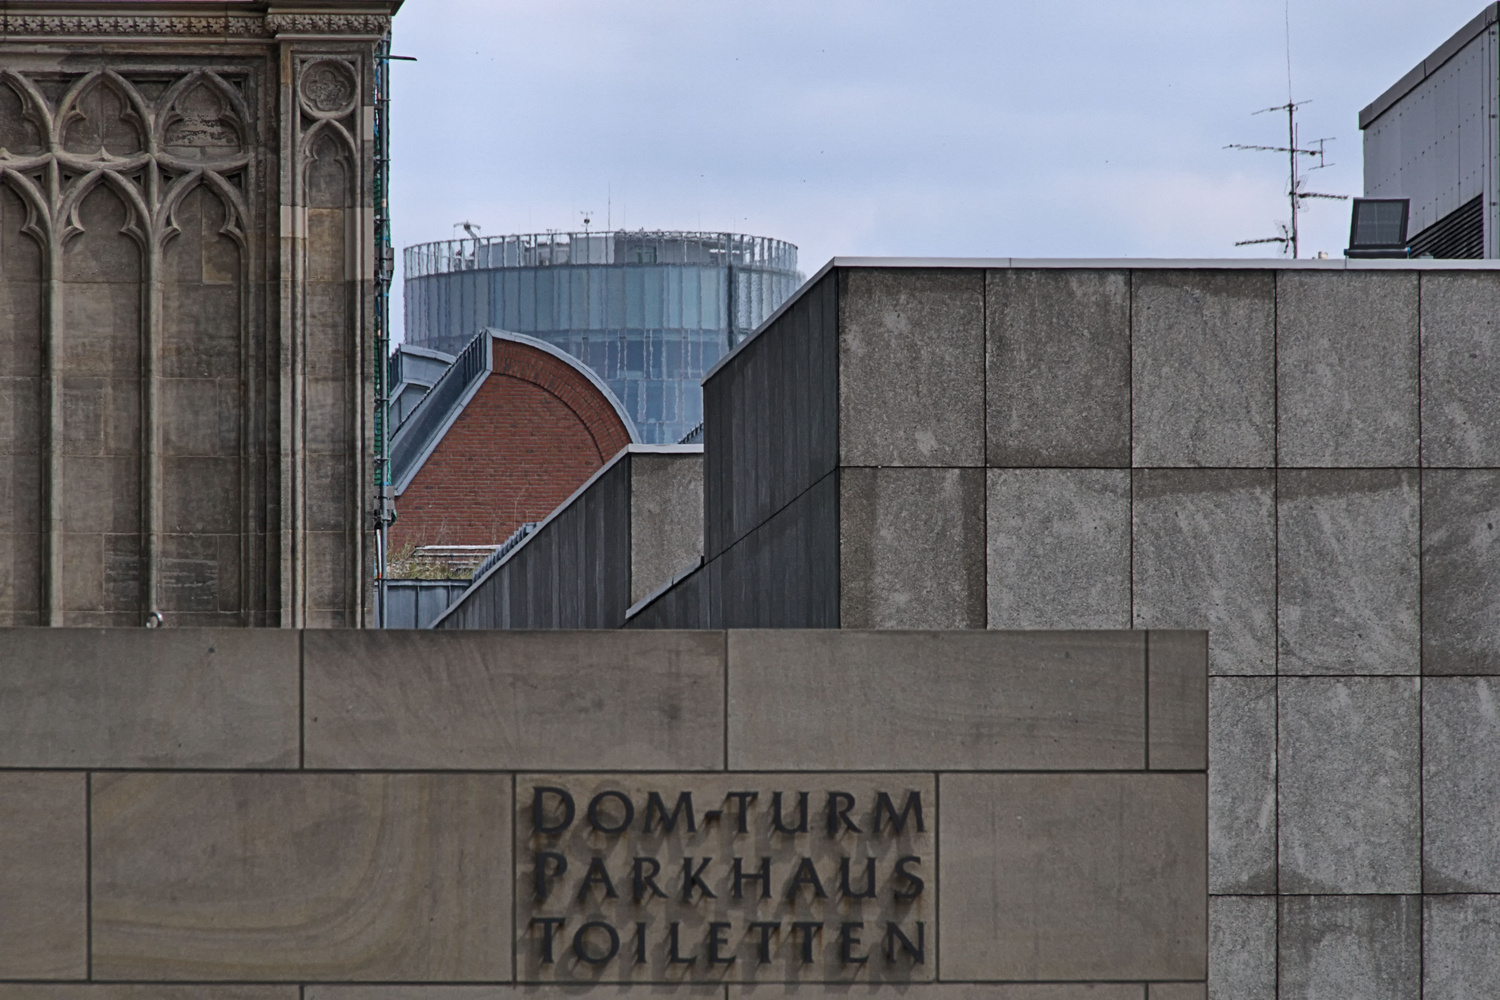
point(550, 926)
point(597, 876)
point(914, 881)
point(657, 809)
point(776, 819)
point(598, 817)
point(580, 943)
point(559, 865)
point(539, 812)
point(918, 951)
point(840, 804)
point(631, 883)
point(884, 807)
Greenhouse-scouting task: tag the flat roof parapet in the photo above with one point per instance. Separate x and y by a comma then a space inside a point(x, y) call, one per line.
point(1112, 263)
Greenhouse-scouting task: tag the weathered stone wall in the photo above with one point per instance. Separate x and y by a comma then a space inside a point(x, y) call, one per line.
point(185, 310)
point(235, 809)
point(1300, 459)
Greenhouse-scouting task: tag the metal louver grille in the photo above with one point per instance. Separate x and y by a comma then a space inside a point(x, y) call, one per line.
point(1459, 235)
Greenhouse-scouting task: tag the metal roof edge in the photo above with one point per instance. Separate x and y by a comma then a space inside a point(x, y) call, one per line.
point(1422, 70)
point(425, 352)
point(399, 486)
point(665, 449)
point(801, 290)
point(589, 373)
point(672, 581)
point(1165, 263)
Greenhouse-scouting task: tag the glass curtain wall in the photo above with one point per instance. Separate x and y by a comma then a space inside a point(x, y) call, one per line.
point(649, 312)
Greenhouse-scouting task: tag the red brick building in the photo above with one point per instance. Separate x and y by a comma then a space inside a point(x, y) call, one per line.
point(507, 434)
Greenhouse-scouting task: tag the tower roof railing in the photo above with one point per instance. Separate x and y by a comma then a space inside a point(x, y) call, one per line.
point(617, 247)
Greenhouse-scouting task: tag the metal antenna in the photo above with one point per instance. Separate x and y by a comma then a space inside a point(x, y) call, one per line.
point(1295, 194)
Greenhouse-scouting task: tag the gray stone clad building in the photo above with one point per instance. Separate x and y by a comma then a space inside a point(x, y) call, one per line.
point(1301, 458)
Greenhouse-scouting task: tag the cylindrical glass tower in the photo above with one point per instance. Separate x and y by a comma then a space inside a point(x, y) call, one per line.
point(650, 312)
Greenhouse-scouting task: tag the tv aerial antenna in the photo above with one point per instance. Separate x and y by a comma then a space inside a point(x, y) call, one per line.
point(1295, 193)
point(1296, 177)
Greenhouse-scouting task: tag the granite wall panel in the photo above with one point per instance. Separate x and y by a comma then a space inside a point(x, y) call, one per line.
point(1349, 785)
point(511, 700)
point(1011, 700)
point(1460, 571)
point(155, 991)
point(1346, 369)
point(1203, 368)
point(1057, 364)
point(507, 992)
point(44, 916)
point(301, 877)
point(890, 579)
point(1242, 808)
point(1460, 790)
point(1350, 946)
point(1460, 370)
point(968, 991)
point(218, 698)
point(1104, 868)
point(749, 991)
point(1460, 945)
point(1177, 991)
point(1203, 550)
point(1348, 572)
point(911, 367)
point(666, 518)
point(1058, 548)
point(1242, 947)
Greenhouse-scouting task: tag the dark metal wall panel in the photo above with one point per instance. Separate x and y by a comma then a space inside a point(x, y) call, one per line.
point(1435, 144)
point(569, 585)
point(785, 573)
point(573, 572)
point(415, 603)
point(771, 418)
point(685, 605)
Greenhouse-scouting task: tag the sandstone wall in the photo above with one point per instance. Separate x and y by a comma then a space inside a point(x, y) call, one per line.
point(370, 813)
point(186, 292)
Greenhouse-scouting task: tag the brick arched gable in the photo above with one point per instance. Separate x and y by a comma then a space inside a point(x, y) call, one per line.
point(533, 432)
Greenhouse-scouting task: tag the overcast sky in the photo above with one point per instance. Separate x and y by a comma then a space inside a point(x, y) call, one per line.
point(1035, 128)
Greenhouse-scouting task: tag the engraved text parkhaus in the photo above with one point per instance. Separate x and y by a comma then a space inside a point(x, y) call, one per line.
point(749, 876)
